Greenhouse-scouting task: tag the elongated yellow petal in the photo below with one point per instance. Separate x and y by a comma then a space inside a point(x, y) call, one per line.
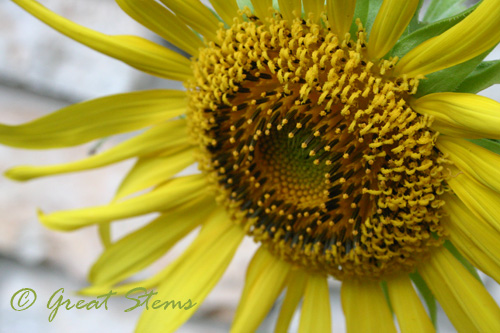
point(175, 192)
point(122, 289)
point(340, 15)
point(151, 282)
point(154, 170)
point(409, 310)
point(365, 298)
point(290, 9)
point(183, 262)
point(259, 261)
point(478, 162)
point(149, 171)
point(474, 35)
point(262, 8)
point(481, 200)
point(153, 16)
point(144, 246)
point(87, 121)
point(487, 263)
point(137, 52)
point(265, 279)
point(390, 23)
point(194, 274)
point(227, 9)
point(196, 15)
point(473, 236)
point(104, 230)
point(315, 315)
point(296, 284)
point(467, 303)
point(314, 8)
point(148, 142)
point(461, 115)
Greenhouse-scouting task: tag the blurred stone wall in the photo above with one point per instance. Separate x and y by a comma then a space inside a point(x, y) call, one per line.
point(35, 57)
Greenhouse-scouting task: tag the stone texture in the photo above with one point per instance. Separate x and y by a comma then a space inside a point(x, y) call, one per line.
point(35, 56)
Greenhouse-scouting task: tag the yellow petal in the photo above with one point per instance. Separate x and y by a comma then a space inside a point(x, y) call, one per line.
point(121, 289)
point(147, 172)
point(340, 15)
point(196, 15)
point(194, 274)
point(163, 136)
point(153, 16)
point(315, 315)
point(390, 23)
point(104, 230)
point(314, 8)
point(87, 121)
point(476, 161)
point(265, 279)
point(96, 290)
point(137, 52)
point(175, 192)
point(474, 35)
point(290, 9)
point(467, 303)
point(144, 246)
point(409, 310)
point(296, 284)
point(481, 200)
point(154, 170)
point(227, 9)
point(461, 114)
point(484, 261)
point(260, 259)
point(365, 299)
point(262, 8)
point(472, 236)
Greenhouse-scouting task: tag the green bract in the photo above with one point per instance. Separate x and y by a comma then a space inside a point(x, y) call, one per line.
point(485, 75)
point(490, 144)
point(440, 9)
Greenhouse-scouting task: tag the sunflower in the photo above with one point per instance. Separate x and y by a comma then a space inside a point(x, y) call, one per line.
point(344, 137)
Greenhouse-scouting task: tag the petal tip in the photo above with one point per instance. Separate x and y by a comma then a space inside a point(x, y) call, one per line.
point(17, 174)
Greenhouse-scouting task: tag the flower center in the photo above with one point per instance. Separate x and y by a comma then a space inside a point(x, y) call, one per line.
point(314, 149)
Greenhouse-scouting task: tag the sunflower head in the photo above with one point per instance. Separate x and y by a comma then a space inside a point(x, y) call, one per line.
point(313, 147)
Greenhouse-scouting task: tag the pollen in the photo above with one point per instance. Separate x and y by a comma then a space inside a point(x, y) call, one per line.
point(314, 149)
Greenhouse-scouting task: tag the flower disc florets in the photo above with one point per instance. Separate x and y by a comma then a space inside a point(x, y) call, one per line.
point(314, 148)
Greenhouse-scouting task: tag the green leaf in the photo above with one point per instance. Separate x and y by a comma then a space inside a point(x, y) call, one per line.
point(415, 23)
point(276, 5)
point(427, 295)
point(453, 250)
point(490, 144)
point(373, 10)
point(366, 11)
point(243, 3)
point(484, 76)
point(403, 46)
point(440, 9)
point(449, 79)
point(361, 12)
